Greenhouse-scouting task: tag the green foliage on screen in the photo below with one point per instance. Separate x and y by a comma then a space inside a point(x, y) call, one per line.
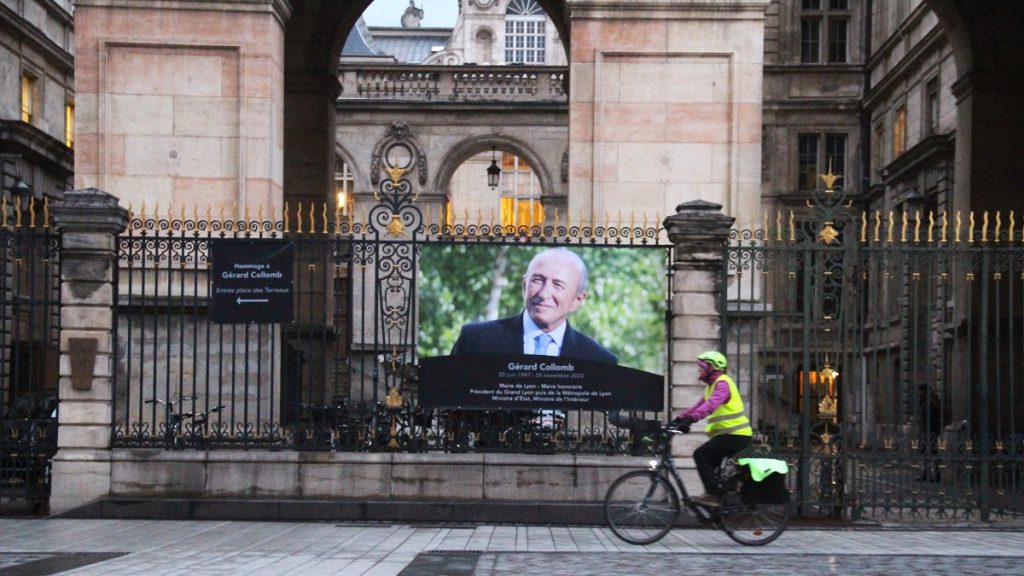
point(624, 309)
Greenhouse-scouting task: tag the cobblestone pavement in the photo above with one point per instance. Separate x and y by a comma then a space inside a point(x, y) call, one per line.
point(157, 548)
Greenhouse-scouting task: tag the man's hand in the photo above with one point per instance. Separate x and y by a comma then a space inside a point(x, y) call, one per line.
point(682, 423)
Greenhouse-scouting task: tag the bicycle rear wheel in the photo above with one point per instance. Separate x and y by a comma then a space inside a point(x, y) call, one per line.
point(641, 507)
point(752, 524)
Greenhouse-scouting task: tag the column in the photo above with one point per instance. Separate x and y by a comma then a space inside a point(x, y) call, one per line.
point(90, 221)
point(698, 231)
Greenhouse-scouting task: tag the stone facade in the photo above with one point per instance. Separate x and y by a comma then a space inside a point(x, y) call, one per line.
point(149, 133)
point(666, 109)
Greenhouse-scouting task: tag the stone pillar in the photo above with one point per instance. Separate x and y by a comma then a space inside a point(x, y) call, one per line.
point(665, 105)
point(309, 138)
point(698, 231)
point(90, 221)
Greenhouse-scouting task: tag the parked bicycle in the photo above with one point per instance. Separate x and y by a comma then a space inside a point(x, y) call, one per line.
point(643, 505)
point(174, 428)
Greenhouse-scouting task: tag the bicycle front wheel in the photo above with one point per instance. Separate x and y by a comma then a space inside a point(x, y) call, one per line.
point(752, 524)
point(641, 507)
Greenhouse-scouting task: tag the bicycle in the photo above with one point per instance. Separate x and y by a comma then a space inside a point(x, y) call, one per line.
point(174, 430)
point(641, 506)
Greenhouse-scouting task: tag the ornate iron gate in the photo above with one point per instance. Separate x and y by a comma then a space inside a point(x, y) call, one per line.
point(342, 375)
point(29, 349)
point(882, 355)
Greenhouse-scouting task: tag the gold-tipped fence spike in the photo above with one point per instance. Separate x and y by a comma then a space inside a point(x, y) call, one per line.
point(892, 227)
point(945, 226)
point(142, 211)
point(479, 218)
point(312, 218)
point(285, 214)
point(931, 227)
point(878, 226)
point(970, 228)
point(245, 214)
point(999, 225)
point(184, 213)
point(46, 212)
point(156, 210)
point(465, 217)
point(864, 227)
point(778, 225)
point(32, 212)
point(984, 226)
point(767, 232)
point(17, 214)
point(792, 227)
point(323, 215)
point(917, 226)
point(903, 228)
point(298, 218)
point(959, 226)
point(1009, 232)
point(3, 208)
point(632, 219)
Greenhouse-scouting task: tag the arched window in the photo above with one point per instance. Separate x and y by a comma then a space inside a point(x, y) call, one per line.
point(517, 200)
point(524, 33)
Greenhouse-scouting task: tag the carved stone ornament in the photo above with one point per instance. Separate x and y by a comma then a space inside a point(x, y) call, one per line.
point(421, 164)
point(398, 131)
point(565, 166)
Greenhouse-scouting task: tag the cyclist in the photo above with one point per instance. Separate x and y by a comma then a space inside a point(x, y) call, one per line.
point(727, 424)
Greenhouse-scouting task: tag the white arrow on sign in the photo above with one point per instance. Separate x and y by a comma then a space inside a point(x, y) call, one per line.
point(241, 300)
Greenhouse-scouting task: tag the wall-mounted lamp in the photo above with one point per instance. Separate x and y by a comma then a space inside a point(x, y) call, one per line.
point(493, 171)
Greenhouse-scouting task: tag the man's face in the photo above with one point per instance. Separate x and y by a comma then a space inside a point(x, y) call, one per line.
point(551, 290)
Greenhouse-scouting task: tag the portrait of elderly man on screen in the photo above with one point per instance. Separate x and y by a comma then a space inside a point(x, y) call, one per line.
point(554, 286)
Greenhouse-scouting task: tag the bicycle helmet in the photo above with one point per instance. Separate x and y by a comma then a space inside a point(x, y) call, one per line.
point(716, 359)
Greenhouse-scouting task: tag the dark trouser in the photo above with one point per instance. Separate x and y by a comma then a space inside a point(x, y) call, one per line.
point(710, 454)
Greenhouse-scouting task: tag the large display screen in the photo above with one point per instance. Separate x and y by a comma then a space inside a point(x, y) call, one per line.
point(488, 313)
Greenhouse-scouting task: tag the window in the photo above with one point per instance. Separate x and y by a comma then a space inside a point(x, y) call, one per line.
point(877, 151)
point(807, 159)
point(931, 107)
point(814, 159)
point(520, 193)
point(810, 43)
point(29, 89)
point(835, 153)
point(525, 33)
point(69, 124)
point(899, 131)
point(344, 186)
point(824, 24)
point(837, 41)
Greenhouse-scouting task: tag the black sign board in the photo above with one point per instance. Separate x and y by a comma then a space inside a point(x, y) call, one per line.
point(536, 382)
point(251, 281)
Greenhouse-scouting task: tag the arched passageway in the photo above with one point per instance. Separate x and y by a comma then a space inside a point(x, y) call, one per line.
point(313, 40)
point(989, 50)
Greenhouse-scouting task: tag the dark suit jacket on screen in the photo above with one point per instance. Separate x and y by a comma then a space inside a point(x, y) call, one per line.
point(505, 336)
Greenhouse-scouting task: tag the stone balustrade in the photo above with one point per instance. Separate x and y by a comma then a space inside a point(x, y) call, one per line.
point(453, 83)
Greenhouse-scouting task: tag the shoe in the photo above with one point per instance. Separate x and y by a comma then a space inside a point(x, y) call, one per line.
point(707, 500)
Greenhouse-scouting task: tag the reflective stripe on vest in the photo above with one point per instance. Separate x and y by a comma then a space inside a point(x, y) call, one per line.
point(729, 417)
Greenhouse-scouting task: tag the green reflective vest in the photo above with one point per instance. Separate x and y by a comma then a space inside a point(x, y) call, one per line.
point(729, 417)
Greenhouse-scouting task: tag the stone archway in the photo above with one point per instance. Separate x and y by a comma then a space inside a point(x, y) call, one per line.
point(313, 41)
point(989, 51)
point(552, 196)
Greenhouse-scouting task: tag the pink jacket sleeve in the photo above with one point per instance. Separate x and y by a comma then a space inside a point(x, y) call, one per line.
point(702, 408)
